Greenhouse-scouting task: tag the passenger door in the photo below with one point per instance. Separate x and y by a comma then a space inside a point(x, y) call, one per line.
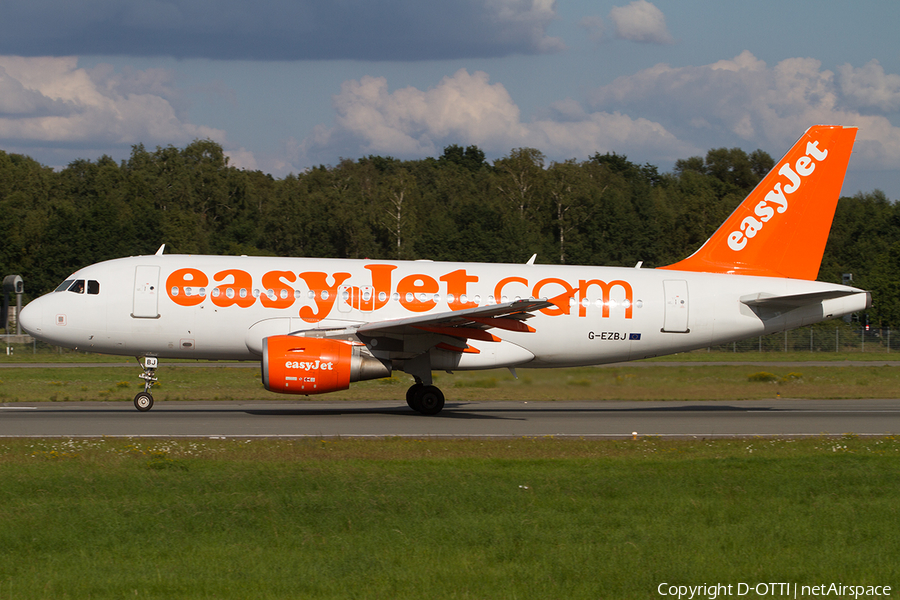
point(676, 316)
point(146, 293)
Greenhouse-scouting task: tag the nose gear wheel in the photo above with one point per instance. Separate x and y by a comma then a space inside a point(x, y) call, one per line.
point(144, 400)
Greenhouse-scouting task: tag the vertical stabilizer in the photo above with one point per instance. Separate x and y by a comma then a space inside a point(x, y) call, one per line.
point(780, 229)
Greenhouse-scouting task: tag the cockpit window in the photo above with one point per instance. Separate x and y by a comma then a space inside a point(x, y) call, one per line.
point(77, 286)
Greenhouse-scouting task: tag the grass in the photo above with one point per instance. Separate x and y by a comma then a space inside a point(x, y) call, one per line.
point(22, 353)
point(588, 383)
point(794, 356)
point(527, 518)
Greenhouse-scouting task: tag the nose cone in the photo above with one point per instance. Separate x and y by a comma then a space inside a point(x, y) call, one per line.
point(31, 318)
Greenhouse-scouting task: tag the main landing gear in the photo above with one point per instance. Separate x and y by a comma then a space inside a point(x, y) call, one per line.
point(144, 400)
point(425, 399)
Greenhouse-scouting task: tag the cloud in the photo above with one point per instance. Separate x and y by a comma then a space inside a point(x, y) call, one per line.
point(640, 22)
point(744, 102)
point(280, 29)
point(50, 103)
point(467, 109)
point(869, 87)
point(658, 115)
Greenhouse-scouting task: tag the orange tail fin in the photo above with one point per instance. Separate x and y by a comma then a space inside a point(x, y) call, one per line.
point(780, 229)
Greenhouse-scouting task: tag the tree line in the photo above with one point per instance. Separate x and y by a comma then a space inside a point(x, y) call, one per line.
point(605, 210)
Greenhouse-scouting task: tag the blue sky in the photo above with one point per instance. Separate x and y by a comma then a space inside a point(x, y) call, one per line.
point(285, 85)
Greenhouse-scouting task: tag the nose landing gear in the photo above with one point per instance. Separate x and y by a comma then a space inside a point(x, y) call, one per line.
point(144, 400)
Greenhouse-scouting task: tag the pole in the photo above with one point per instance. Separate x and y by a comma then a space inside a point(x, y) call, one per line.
point(18, 311)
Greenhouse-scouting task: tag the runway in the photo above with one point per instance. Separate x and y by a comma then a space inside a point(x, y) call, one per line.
point(329, 419)
point(249, 364)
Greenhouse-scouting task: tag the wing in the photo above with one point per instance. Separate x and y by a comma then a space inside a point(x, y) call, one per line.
point(403, 338)
point(468, 323)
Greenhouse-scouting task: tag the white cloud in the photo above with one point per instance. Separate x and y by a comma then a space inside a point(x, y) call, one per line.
point(744, 102)
point(869, 87)
point(51, 103)
point(468, 109)
point(658, 114)
point(641, 22)
point(242, 158)
point(410, 121)
point(527, 19)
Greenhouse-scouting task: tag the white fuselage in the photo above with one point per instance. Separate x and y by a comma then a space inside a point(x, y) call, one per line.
point(221, 307)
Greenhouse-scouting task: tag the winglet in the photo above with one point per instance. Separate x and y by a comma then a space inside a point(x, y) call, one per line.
point(563, 301)
point(780, 229)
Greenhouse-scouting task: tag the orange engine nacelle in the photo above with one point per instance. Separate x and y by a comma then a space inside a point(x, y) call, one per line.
point(302, 365)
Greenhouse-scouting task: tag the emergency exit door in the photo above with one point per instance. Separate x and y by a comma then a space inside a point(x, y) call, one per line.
point(146, 293)
point(676, 315)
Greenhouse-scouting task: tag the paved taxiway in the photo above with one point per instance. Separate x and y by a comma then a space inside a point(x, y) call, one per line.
point(638, 364)
point(783, 417)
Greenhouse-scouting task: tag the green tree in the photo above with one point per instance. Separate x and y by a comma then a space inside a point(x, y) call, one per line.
point(397, 200)
point(574, 190)
point(26, 198)
point(470, 158)
point(521, 180)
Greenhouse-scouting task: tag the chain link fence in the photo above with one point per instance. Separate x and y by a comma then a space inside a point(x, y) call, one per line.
point(831, 336)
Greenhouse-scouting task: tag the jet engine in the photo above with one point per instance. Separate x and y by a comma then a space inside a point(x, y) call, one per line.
point(305, 365)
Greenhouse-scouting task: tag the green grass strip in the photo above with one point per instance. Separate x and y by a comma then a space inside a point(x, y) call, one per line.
point(527, 518)
point(728, 382)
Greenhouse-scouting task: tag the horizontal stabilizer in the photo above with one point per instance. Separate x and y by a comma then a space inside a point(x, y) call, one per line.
point(771, 301)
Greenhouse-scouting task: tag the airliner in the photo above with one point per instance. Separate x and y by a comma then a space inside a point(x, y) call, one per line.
point(317, 325)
